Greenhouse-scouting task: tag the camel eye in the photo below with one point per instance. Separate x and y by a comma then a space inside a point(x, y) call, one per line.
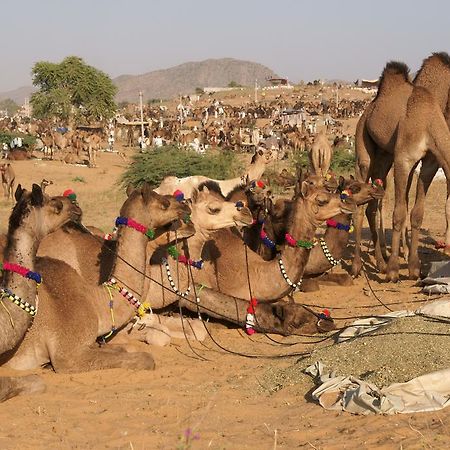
point(322, 202)
point(214, 210)
point(356, 189)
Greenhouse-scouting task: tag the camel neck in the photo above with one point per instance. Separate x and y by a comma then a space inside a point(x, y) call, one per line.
point(21, 250)
point(131, 247)
point(256, 170)
point(337, 239)
point(196, 243)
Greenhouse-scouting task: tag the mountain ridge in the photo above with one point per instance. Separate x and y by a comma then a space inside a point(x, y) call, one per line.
point(181, 79)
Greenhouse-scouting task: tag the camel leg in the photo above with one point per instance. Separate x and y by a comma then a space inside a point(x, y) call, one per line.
point(358, 224)
point(429, 168)
point(403, 173)
point(94, 358)
point(379, 169)
point(13, 386)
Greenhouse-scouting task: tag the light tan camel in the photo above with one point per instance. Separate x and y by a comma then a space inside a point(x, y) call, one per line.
point(225, 257)
point(402, 123)
point(34, 216)
point(8, 179)
point(320, 154)
point(255, 170)
point(76, 310)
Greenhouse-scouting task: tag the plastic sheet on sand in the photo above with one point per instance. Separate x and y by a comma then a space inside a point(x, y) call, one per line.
point(429, 392)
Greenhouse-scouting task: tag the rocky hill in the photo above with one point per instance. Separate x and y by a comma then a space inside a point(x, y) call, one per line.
point(183, 79)
point(18, 95)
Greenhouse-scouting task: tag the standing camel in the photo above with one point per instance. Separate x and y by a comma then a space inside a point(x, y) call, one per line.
point(33, 217)
point(8, 179)
point(401, 124)
point(320, 154)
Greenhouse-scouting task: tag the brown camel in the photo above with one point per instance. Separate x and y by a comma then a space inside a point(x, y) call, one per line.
point(225, 259)
point(402, 123)
point(76, 310)
point(320, 154)
point(34, 216)
point(255, 170)
point(8, 179)
point(45, 183)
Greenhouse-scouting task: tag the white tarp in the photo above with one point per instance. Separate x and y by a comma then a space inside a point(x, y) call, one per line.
point(428, 392)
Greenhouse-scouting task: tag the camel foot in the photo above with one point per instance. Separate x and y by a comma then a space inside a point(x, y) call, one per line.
point(12, 387)
point(355, 271)
point(381, 265)
point(414, 270)
point(341, 279)
point(392, 272)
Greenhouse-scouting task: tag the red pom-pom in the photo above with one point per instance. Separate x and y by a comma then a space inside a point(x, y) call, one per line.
point(326, 312)
point(67, 192)
point(379, 182)
point(260, 184)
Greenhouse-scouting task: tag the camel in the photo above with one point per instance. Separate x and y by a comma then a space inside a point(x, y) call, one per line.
point(401, 124)
point(33, 217)
point(8, 179)
point(225, 269)
point(334, 242)
point(255, 170)
point(76, 309)
point(320, 154)
point(45, 183)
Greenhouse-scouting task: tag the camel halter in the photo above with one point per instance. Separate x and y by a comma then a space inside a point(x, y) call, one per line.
point(293, 285)
point(6, 293)
point(27, 307)
point(339, 226)
point(175, 254)
point(130, 223)
point(327, 253)
point(265, 239)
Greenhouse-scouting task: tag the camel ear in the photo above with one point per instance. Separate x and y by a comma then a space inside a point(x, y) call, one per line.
point(129, 190)
point(37, 197)
point(194, 196)
point(304, 189)
point(147, 192)
point(19, 192)
point(341, 182)
point(352, 178)
point(278, 311)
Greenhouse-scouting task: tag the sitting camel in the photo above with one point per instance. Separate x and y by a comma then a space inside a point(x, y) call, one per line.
point(65, 333)
point(255, 170)
point(8, 179)
point(34, 216)
point(232, 272)
point(320, 154)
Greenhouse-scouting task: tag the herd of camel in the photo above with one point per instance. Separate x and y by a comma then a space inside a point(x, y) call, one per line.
point(217, 248)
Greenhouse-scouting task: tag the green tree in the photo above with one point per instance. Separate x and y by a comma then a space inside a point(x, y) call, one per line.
point(234, 84)
point(72, 90)
point(9, 105)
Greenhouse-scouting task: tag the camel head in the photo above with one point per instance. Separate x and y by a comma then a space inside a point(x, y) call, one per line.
point(263, 154)
point(361, 192)
point(320, 203)
point(41, 214)
point(153, 210)
point(293, 318)
point(257, 194)
point(211, 212)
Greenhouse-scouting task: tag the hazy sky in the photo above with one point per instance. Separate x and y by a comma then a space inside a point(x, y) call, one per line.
point(298, 39)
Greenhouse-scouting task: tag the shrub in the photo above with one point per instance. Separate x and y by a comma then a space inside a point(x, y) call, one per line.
point(7, 136)
point(157, 163)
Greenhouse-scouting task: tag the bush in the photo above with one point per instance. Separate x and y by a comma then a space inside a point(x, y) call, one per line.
point(343, 161)
point(157, 163)
point(7, 136)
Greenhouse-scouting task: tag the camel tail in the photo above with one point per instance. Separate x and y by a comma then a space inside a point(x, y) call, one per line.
point(440, 134)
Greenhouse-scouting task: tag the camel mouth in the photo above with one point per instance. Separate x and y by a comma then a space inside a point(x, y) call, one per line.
point(348, 208)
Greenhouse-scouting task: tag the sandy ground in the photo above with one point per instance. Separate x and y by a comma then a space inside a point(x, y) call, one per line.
point(223, 399)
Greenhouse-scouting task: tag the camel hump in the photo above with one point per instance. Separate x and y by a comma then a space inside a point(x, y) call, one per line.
point(395, 68)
